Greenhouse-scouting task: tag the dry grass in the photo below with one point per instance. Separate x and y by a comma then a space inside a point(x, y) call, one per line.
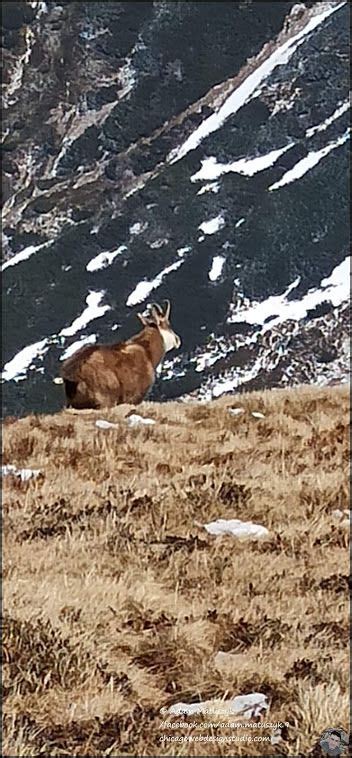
point(116, 601)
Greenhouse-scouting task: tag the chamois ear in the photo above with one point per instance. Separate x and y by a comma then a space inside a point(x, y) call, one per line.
point(142, 319)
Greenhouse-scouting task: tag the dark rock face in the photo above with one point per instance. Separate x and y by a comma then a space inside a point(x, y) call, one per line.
point(204, 148)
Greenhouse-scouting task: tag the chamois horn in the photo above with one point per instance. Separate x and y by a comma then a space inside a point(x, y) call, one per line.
point(158, 308)
point(167, 309)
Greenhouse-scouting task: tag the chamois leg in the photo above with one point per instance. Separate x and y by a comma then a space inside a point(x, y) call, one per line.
point(70, 391)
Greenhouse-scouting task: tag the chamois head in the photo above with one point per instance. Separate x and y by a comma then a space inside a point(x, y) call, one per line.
point(159, 318)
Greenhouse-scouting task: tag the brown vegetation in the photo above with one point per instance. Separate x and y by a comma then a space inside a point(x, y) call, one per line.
point(117, 600)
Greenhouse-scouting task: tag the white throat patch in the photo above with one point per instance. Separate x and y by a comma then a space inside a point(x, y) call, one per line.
point(170, 339)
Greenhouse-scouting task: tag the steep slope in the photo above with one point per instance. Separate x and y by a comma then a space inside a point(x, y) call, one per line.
point(197, 151)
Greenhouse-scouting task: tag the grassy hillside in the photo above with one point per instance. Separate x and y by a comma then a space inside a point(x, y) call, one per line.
point(117, 600)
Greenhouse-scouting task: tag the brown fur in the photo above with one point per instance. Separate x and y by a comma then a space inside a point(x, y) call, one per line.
point(99, 376)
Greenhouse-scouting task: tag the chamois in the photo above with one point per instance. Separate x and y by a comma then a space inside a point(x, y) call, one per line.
point(101, 376)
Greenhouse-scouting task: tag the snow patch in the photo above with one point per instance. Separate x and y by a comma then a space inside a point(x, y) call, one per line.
point(223, 386)
point(245, 166)
point(213, 225)
point(330, 120)
point(211, 187)
point(89, 340)
point(141, 292)
point(127, 77)
point(216, 268)
point(159, 243)
point(205, 361)
point(94, 310)
point(143, 289)
point(138, 228)
point(25, 254)
point(104, 259)
point(334, 288)
point(182, 250)
point(16, 368)
point(40, 7)
point(310, 160)
point(245, 91)
point(217, 349)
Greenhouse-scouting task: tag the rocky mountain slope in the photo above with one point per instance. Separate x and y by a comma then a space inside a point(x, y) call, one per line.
point(190, 150)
